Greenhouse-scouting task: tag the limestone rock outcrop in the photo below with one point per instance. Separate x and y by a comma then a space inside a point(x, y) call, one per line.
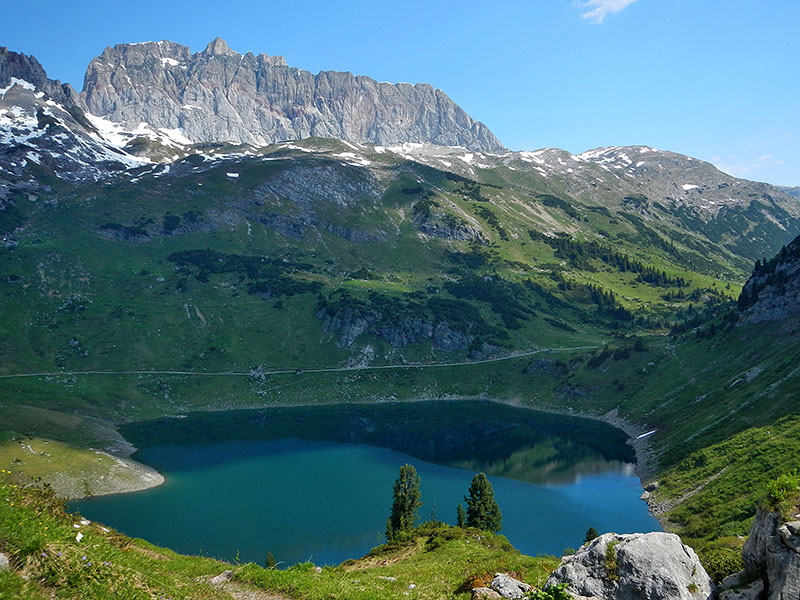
point(773, 551)
point(508, 587)
point(655, 566)
point(220, 95)
point(773, 291)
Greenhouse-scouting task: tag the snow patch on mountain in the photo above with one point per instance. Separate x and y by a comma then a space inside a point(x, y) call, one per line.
point(20, 82)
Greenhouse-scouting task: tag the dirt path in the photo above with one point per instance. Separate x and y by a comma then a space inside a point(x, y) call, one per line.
point(268, 372)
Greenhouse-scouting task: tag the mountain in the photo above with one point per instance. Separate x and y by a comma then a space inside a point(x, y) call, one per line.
point(219, 95)
point(46, 140)
point(792, 191)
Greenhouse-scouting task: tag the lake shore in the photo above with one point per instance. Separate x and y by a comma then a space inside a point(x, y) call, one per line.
point(130, 475)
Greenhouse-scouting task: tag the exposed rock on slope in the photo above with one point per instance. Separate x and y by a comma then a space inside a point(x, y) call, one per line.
point(27, 68)
point(656, 566)
point(773, 551)
point(221, 95)
point(773, 291)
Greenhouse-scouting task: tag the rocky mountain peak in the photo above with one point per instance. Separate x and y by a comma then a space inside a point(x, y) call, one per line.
point(218, 47)
point(16, 67)
point(256, 100)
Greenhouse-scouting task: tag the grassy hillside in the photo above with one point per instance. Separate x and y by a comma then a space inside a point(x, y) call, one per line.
point(305, 260)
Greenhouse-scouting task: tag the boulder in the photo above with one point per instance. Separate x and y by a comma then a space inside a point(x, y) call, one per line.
point(223, 577)
point(4, 564)
point(655, 566)
point(508, 587)
point(753, 591)
point(484, 593)
point(773, 551)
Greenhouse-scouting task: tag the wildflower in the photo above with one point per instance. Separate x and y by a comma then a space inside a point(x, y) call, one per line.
point(83, 557)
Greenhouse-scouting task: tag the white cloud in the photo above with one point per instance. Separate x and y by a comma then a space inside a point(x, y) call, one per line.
point(598, 10)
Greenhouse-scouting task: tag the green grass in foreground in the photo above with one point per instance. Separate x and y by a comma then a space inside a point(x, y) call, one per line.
point(439, 562)
point(40, 539)
point(48, 560)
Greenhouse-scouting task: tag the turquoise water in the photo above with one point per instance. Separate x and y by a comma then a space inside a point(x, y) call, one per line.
point(328, 501)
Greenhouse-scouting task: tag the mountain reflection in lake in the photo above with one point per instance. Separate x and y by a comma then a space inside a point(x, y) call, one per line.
point(494, 438)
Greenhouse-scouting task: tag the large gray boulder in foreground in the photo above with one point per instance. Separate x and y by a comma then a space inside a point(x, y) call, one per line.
point(508, 587)
point(772, 551)
point(638, 566)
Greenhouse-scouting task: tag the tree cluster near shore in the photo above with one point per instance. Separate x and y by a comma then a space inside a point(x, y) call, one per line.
point(482, 510)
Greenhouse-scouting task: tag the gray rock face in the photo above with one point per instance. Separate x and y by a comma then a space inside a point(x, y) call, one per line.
point(753, 591)
point(773, 551)
point(27, 68)
point(351, 323)
point(656, 566)
point(449, 229)
point(508, 587)
point(773, 291)
point(221, 95)
point(41, 125)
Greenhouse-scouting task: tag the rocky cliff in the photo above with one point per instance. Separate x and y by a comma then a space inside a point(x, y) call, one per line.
point(20, 67)
point(44, 131)
point(773, 291)
point(220, 95)
point(771, 556)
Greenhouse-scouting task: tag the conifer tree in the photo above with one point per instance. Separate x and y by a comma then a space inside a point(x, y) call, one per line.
point(591, 534)
point(405, 503)
point(482, 510)
point(461, 516)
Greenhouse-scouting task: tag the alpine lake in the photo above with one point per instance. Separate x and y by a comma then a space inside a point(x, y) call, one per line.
point(314, 483)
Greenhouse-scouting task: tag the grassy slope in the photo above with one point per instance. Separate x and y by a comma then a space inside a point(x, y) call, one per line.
point(46, 558)
point(80, 293)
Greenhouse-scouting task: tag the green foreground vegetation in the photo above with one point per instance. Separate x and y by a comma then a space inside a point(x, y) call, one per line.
point(47, 557)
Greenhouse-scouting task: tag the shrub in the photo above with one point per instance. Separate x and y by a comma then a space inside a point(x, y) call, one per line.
point(611, 559)
point(719, 562)
point(554, 592)
point(783, 487)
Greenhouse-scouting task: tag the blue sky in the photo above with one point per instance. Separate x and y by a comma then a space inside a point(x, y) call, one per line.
point(714, 79)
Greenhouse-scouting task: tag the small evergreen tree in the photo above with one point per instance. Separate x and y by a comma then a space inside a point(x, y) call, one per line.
point(591, 534)
point(461, 516)
point(482, 510)
point(405, 503)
